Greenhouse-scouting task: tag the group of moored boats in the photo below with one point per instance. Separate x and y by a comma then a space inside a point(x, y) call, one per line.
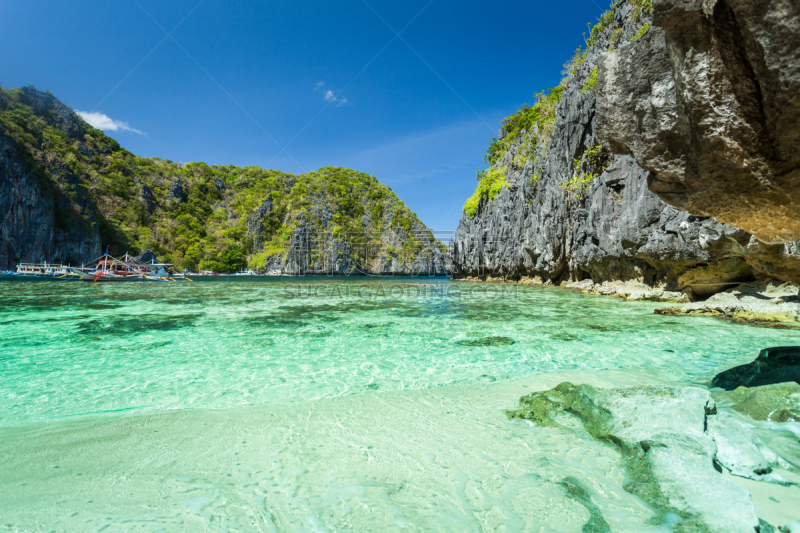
point(107, 269)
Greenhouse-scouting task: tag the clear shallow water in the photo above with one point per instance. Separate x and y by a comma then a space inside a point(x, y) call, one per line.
point(437, 460)
point(346, 405)
point(70, 349)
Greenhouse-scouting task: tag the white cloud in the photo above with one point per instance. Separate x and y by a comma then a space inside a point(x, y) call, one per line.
point(329, 95)
point(105, 123)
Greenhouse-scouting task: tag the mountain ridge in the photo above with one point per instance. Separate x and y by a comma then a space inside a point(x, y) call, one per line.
point(69, 191)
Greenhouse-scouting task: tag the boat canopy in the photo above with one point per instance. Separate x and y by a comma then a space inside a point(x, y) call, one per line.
point(130, 264)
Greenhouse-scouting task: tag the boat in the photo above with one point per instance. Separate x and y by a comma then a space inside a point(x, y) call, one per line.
point(127, 268)
point(41, 270)
point(44, 269)
point(204, 273)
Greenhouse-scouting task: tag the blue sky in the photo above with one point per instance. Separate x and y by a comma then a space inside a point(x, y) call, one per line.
point(301, 85)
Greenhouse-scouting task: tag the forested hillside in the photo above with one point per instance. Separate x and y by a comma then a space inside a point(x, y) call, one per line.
point(68, 191)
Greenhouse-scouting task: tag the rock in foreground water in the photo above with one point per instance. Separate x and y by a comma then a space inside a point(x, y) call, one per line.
point(773, 365)
point(663, 435)
point(777, 403)
point(742, 452)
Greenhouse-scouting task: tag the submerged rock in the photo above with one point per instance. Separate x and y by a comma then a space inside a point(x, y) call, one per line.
point(773, 365)
point(765, 527)
point(777, 403)
point(579, 493)
point(742, 452)
point(488, 341)
point(669, 454)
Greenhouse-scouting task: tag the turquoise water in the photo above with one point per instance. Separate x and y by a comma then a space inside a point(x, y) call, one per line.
point(69, 349)
point(316, 405)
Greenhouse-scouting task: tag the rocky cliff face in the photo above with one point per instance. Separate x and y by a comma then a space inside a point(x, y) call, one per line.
point(315, 246)
point(707, 100)
point(67, 191)
point(321, 252)
point(39, 219)
point(579, 208)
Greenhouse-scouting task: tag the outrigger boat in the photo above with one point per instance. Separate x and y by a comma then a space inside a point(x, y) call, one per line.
point(41, 270)
point(127, 269)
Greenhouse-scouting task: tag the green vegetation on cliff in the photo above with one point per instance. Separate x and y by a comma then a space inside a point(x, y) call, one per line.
point(533, 125)
point(530, 128)
point(539, 118)
point(585, 171)
point(491, 182)
point(590, 86)
point(197, 216)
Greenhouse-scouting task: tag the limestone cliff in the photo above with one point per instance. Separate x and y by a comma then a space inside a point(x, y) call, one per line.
point(574, 206)
point(42, 219)
point(707, 100)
